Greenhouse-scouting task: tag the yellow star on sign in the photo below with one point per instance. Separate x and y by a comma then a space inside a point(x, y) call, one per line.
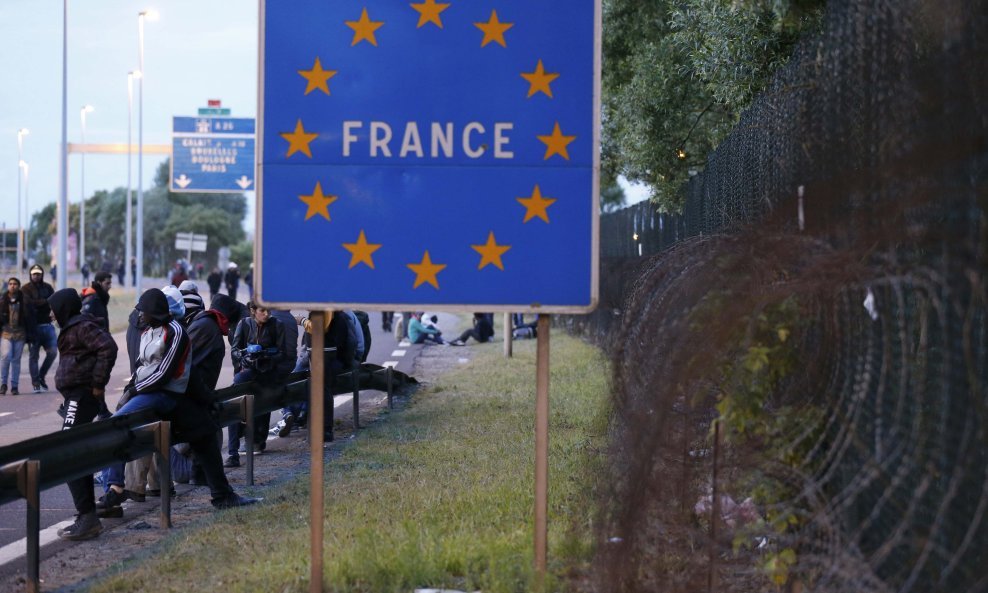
point(317, 78)
point(318, 203)
point(429, 12)
point(363, 30)
point(298, 141)
point(493, 30)
point(556, 143)
point(539, 80)
point(361, 251)
point(491, 252)
point(425, 271)
point(536, 205)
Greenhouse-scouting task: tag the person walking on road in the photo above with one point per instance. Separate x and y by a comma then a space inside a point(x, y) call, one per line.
point(232, 280)
point(88, 354)
point(16, 328)
point(95, 302)
point(36, 294)
point(214, 280)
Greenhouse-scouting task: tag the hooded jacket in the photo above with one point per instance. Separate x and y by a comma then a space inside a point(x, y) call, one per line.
point(16, 318)
point(206, 331)
point(95, 305)
point(163, 356)
point(87, 352)
point(36, 295)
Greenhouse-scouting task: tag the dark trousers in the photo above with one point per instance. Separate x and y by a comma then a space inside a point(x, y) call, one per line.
point(208, 457)
point(80, 408)
point(470, 333)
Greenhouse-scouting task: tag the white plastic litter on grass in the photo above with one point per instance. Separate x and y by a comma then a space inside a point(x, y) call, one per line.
point(462, 360)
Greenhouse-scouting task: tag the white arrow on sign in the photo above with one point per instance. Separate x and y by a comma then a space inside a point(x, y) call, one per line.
point(183, 181)
point(243, 182)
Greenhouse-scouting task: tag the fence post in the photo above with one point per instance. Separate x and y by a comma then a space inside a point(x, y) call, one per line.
point(163, 443)
point(714, 514)
point(355, 377)
point(391, 373)
point(508, 336)
point(247, 413)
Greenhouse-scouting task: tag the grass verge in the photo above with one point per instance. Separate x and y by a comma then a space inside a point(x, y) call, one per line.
point(437, 495)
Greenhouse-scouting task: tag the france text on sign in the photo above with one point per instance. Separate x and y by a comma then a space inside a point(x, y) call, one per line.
point(429, 154)
point(212, 154)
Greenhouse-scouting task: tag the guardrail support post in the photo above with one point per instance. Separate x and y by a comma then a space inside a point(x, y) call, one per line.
point(27, 483)
point(508, 336)
point(355, 376)
point(163, 443)
point(391, 374)
point(247, 414)
point(316, 427)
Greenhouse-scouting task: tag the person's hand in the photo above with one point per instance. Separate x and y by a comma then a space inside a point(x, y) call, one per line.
point(99, 392)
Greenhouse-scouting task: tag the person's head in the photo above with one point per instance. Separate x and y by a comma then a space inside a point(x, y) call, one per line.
point(153, 308)
point(176, 304)
point(230, 309)
point(65, 304)
point(104, 280)
point(260, 313)
point(37, 273)
point(188, 286)
point(13, 285)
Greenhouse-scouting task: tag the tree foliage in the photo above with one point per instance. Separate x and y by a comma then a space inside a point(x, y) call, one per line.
point(220, 216)
point(678, 73)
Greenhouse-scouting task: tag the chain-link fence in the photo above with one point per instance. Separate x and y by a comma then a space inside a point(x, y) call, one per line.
point(829, 363)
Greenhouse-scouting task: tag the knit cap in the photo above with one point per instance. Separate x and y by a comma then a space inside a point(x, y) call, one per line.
point(176, 305)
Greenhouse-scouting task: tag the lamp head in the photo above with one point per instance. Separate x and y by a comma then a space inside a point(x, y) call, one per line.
point(150, 14)
point(88, 109)
point(23, 132)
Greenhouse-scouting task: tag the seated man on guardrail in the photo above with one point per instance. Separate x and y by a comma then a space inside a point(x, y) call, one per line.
point(257, 350)
point(162, 383)
point(88, 354)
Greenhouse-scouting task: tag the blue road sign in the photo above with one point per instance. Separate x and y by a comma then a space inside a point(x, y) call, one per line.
point(429, 154)
point(212, 154)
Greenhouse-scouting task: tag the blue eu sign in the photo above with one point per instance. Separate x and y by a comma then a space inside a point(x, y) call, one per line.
point(429, 154)
point(212, 154)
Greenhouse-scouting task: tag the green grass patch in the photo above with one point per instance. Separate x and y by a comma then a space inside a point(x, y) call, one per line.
point(440, 494)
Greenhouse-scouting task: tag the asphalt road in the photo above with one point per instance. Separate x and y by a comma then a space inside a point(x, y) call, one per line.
point(29, 415)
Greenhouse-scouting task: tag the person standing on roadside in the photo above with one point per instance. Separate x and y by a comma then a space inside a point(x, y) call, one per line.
point(88, 354)
point(95, 303)
point(214, 280)
point(17, 323)
point(36, 294)
point(232, 280)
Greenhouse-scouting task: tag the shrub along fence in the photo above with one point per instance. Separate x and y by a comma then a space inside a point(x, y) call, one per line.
point(810, 332)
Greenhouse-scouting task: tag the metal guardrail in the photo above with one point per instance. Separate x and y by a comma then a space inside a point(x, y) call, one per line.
point(39, 463)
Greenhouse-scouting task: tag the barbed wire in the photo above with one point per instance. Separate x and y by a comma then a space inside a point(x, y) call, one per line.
point(810, 333)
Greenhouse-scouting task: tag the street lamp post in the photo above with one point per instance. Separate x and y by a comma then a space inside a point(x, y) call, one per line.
point(20, 217)
point(128, 279)
point(141, 16)
point(82, 202)
point(63, 161)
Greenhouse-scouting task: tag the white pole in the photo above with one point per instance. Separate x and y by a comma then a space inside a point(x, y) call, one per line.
point(140, 152)
point(63, 173)
point(20, 216)
point(82, 202)
point(128, 280)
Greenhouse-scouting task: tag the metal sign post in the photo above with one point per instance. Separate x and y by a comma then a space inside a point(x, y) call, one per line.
point(541, 449)
point(316, 409)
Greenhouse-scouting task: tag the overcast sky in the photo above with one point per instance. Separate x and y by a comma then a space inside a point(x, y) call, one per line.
point(197, 50)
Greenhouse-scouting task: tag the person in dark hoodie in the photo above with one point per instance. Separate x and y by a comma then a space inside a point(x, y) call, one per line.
point(36, 293)
point(88, 354)
point(95, 303)
point(162, 383)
